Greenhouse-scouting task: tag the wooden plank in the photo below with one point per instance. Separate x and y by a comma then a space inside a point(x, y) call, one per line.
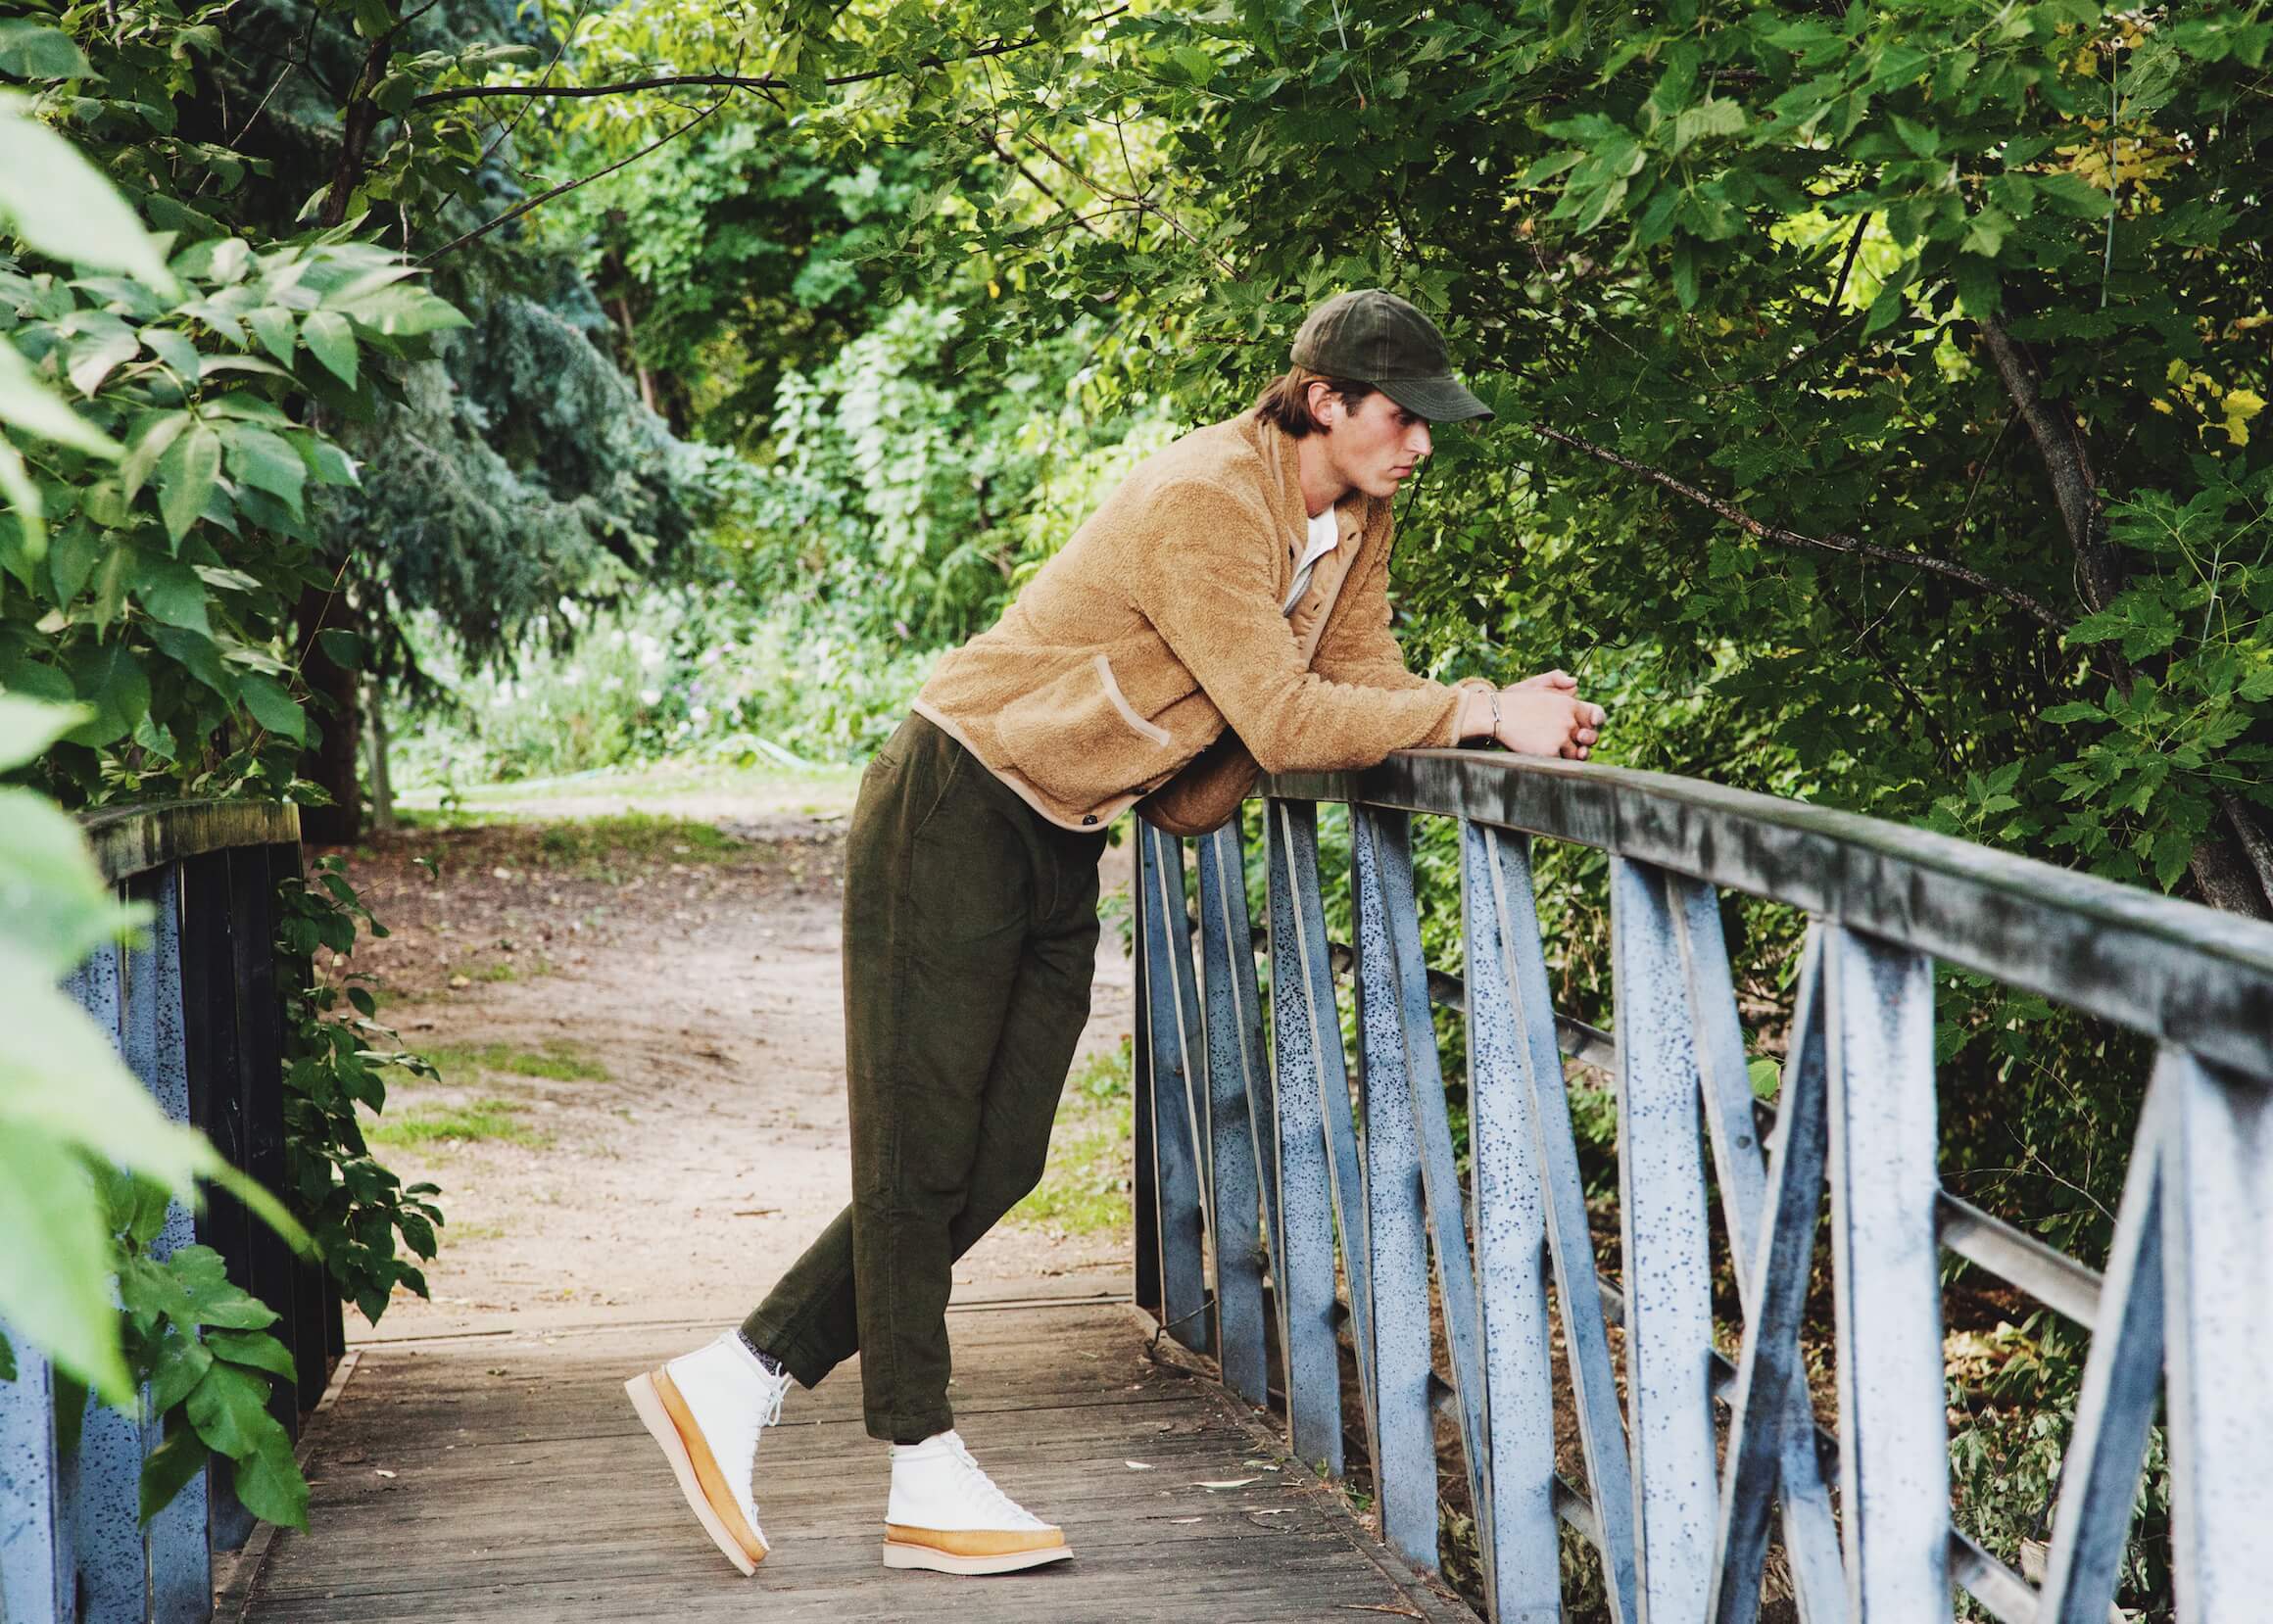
point(523, 1490)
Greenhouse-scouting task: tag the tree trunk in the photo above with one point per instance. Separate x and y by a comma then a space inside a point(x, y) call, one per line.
point(382, 782)
point(2232, 864)
point(330, 758)
point(638, 367)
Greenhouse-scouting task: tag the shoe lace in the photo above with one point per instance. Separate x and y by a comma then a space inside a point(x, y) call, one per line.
point(984, 1488)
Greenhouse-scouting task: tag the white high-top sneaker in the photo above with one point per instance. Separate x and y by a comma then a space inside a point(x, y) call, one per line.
point(706, 1408)
point(946, 1514)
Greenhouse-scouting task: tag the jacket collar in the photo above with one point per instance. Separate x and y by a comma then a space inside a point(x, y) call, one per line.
point(1282, 458)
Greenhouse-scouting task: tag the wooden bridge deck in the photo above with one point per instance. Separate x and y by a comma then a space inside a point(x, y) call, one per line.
point(491, 1478)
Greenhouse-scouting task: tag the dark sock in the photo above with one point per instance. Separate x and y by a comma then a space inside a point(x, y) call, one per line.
point(908, 1441)
point(773, 1366)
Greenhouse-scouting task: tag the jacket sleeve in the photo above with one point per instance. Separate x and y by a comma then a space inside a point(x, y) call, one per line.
point(1203, 575)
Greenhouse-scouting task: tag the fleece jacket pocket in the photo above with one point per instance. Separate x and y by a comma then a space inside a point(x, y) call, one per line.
point(1078, 738)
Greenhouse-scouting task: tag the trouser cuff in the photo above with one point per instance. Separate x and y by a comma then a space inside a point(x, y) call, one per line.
point(891, 1425)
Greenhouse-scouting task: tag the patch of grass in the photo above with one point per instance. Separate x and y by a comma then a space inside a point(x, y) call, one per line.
point(1084, 1188)
point(508, 969)
point(638, 836)
point(476, 1120)
point(558, 1062)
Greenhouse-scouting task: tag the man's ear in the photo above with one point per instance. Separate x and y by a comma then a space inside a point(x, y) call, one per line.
point(1315, 395)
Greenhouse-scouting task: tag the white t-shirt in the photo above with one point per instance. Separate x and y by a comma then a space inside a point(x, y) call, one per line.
point(1325, 537)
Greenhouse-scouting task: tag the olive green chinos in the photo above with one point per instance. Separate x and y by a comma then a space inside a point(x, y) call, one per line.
point(969, 943)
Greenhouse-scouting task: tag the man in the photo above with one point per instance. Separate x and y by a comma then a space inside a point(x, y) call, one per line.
point(1225, 610)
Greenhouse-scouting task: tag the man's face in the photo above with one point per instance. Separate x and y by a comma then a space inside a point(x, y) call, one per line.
point(1375, 445)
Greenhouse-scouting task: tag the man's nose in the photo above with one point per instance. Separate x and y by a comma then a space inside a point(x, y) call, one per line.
point(1418, 442)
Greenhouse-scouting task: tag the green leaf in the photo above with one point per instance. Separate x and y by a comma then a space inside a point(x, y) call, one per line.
point(268, 1482)
point(2071, 194)
point(171, 591)
point(182, 1363)
point(1979, 288)
point(28, 405)
point(108, 679)
point(256, 1349)
point(186, 475)
point(265, 461)
point(273, 708)
point(93, 357)
point(28, 509)
point(331, 339)
point(399, 311)
point(150, 444)
point(229, 1407)
point(172, 1467)
point(62, 206)
point(1714, 116)
point(55, 1271)
point(1986, 232)
point(32, 49)
point(209, 1297)
point(272, 325)
point(27, 727)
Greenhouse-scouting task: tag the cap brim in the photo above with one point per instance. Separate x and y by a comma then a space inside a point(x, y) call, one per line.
point(1439, 400)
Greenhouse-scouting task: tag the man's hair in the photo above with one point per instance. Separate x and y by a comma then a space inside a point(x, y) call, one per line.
point(1285, 401)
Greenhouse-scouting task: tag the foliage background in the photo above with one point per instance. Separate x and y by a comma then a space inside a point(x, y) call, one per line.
point(1880, 399)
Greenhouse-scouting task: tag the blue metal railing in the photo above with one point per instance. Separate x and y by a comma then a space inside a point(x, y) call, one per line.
point(196, 1015)
point(1269, 1189)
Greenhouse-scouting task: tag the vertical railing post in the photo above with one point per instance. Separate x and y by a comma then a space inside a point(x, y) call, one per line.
point(1516, 1500)
point(180, 1560)
point(1504, 885)
point(1236, 1085)
point(2107, 1445)
point(1307, 1041)
point(1178, 1145)
point(1144, 1171)
point(1811, 1536)
point(2217, 1239)
point(1397, 1058)
point(37, 1580)
point(1668, 1278)
point(1894, 1465)
point(105, 1531)
point(216, 1063)
point(1771, 1426)
point(275, 1270)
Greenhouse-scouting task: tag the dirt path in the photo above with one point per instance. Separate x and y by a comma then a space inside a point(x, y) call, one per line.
point(641, 1114)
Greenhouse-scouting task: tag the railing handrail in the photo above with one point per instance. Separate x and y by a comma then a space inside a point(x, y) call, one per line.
point(135, 840)
point(2174, 969)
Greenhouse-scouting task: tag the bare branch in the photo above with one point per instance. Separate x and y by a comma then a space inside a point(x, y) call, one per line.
point(2067, 461)
point(1783, 537)
point(1139, 203)
point(994, 140)
point(527, 205)
point(728, 81)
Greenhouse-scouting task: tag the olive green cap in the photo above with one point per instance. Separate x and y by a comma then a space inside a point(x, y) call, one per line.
point(1371, 336)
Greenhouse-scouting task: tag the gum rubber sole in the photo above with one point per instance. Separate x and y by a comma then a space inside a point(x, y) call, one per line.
point(898, 1553)
point(647, 1399)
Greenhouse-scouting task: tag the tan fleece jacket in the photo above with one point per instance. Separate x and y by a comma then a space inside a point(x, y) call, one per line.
point(1158, 628)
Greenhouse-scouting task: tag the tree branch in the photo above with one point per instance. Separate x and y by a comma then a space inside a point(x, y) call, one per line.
point(2066, 459)
point(994, 140)
point(728, 81)
point(522, 208)
point(2235, 873)
point(1139, 203)
point(1783, 537)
